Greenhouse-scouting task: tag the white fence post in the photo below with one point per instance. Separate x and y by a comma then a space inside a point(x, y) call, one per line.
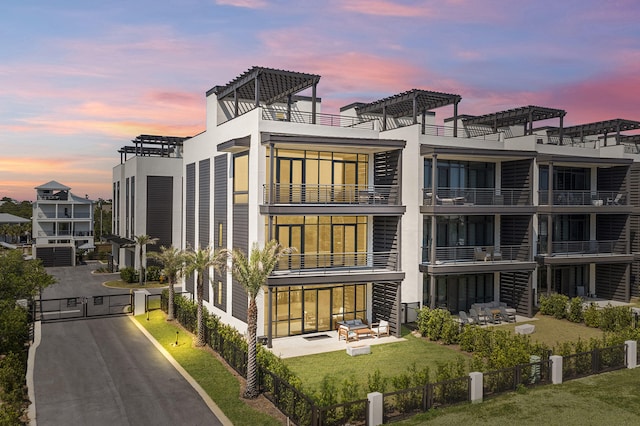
point(632, 353)
point(376, 405)
point(556, 369)
point(139, 301)
point(477, 388)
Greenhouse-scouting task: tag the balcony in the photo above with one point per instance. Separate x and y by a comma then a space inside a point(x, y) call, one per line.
point(590, 247)
point(332, 194)
point(343, 263)
point(478, 197)
point(584, 198)
point(465, 254)
point(304, 117)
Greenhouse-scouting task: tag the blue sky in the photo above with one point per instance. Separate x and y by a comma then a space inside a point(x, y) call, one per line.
point(78, 80)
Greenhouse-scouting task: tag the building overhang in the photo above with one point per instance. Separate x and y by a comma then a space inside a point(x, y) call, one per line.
point(544, 159)
point(466, 152)
point(327, 210)
point(472, 209)
point(582, 259)
point(328, 278)
point(320, 141)
point(235, 145)
point(462, 268)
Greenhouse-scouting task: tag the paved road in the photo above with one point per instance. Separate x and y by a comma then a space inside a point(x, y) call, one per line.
point(106, 372)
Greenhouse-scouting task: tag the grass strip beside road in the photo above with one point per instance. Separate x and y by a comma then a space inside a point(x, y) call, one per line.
point(219, 383)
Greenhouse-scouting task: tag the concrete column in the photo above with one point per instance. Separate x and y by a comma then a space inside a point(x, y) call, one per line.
point(139, 301)
point(556, 369)
point(477, 391)
point(632, 353)
point(376, 405)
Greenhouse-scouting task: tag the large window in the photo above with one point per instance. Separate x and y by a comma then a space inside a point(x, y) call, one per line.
point(241, 179)
point(454, 231)
point(322, 241)
point(565, 178)
point(309, 309)
point(458, 292)
point(461, 174)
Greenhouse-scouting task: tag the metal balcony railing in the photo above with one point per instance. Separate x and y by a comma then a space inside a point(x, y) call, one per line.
point(457, 254)
point(568, 248)
point(321, 119)
point(478, 196)
point(339, 262)
point(583, 198)
point(331, 194)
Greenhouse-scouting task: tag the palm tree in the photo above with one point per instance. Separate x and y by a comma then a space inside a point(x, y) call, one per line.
point(252, 273)
point(200, 261)
point(142, 241)
point(173, 263)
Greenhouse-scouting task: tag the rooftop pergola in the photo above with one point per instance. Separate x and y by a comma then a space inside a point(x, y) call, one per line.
point(167, 146)
point(266, 86)
point(409, 104)
point(526, 116)
point(597, 128)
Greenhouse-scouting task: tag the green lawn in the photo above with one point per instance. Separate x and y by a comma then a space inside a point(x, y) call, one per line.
point(391, 359)
point(605, 399)
point(221, 385)
point(135, 286)
point(552, 331)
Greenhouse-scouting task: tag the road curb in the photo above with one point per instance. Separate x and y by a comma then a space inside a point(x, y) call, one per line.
point(31, 363)
point(205, 397)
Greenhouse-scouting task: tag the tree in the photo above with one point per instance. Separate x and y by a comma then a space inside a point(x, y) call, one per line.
point(19, 278)
point(252, 273)
point(141, 242)
point(200, 261)
point(173, 263)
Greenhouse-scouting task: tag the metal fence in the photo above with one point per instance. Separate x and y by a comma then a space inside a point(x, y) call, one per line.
point(595, 361)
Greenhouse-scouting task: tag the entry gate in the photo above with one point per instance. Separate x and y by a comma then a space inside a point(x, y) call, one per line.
point(70, 308)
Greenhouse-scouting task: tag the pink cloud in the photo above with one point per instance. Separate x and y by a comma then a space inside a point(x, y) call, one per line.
point(386, 8)
point(249, 4)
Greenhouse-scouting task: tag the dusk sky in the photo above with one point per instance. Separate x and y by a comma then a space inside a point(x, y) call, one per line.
point(80, 79)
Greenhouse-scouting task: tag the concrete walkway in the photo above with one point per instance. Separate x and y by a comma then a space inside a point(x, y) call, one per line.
point(105, 371)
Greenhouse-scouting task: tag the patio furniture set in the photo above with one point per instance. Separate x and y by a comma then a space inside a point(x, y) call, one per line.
point(353, 330)
point(488, 313)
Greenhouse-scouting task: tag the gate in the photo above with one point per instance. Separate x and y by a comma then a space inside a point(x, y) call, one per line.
point(70, 308)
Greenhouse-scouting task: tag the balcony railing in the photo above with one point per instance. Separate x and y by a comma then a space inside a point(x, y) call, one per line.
point(325, 263)
point(321, 119)
point(568, 248)
point(331, 194)
point(65, 234)
point(457, 254)
point(584, 198)
point(478, 196)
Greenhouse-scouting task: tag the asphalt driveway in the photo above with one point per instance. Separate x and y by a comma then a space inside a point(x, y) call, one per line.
point(104, 371)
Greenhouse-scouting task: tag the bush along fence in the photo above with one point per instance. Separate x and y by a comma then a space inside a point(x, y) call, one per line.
point(414, 392)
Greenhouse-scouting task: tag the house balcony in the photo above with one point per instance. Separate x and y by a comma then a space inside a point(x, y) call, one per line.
point(334, 199)
point(304, 117)
point(478, 197)
point(472, 254)
point(584, 198)
point(590, 247)
point(337, 263)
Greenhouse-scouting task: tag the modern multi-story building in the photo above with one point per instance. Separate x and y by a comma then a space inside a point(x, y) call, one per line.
point(147, 196)
point(387, 210)
point(62, 224)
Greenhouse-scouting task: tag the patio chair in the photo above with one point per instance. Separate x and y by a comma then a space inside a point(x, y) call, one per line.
point(464, 319)
point(476, 317)
point(489, 316)
point(479, 254)
point(615, 201)
point(380, 329)
point(506, 315)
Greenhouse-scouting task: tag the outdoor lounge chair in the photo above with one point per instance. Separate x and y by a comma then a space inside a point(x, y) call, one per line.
point(508, 317)
point(615, 201)
point(479, 254)
point(464, 319)
point(380, 329)
point(476, 317)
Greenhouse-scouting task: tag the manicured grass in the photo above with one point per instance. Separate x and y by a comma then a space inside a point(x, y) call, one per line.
point(206, 369)
point(551, 331)
point(605, 399)
point(135, 286)
point(391, 359)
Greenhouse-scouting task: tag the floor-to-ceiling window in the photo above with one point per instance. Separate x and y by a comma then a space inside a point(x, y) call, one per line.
point(309, 309)
point(458, 292)
point(461, 174)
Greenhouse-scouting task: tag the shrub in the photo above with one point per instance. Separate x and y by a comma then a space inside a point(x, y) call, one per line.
point(153, 273)
point(591, 316)
point(423, 319)
point(555, 305)
point(441, 325)
point(375, 382)
point(575, 310)
point(129, 275)
point(613, 318)
point(475, 339)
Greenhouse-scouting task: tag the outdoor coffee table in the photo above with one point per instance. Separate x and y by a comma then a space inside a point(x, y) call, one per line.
point(362, 332)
